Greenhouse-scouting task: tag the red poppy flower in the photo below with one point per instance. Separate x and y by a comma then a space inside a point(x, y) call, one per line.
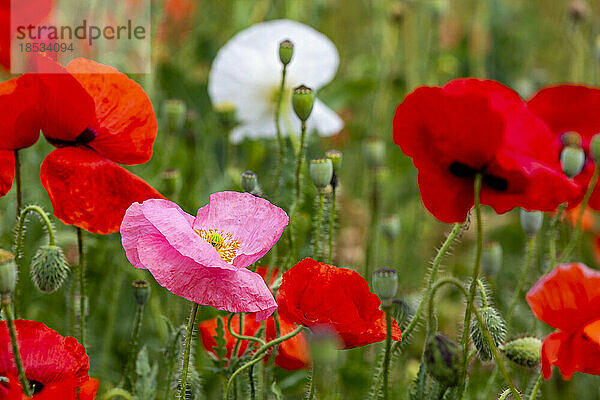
point(568, 299)
point(472, 126)
point(572, 108)
point(97, 117)
point(55, 366)
point(316, 294)
point(7, 171)
point(293, 354)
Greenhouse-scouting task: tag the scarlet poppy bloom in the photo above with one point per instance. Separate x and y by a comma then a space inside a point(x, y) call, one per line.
point(568, 299)
point(572, 108)
point(204, 258)
point(55, 366)
point(97, 117)
point(7, 171)
point(316, 294)
point(472, 126)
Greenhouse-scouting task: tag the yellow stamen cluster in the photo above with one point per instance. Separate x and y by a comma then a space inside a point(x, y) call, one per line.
point(224, 242)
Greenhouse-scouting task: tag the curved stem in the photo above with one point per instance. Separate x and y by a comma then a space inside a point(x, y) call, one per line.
point(319, 224)
point(15, 347)
point(536, 388)
point(386, 360)
point(577, 235)
point(242, 337)
point(117, 392)
point(482, 293)
point(331, 226)
point(522, 280)
point(18, 183)
point(82, 294)
point(133, 346)
point(256, 358)
point(21, 226)
point(473, 285)
point(187, 350)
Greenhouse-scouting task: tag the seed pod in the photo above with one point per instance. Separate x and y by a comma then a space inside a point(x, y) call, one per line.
point(175, 114)
point(524, 351)
point(286, 51)
point(303, 101)
point(249, 181)
point(141, 291)
point(572, 160)
point(595, 147)
point(171, 178)
point(444, 359)
point(336, 159)
point(531, 221)
point(49, 269)
point(495, 325)
point(321, 172)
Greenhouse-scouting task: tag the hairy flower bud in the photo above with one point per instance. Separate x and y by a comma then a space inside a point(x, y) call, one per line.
point(444, 359)
point(491, 260)
point(141, 291)
point(595, 147)
point(495, 325)
point(249, 181)
point(286, 51)
point(531, 221)
point(385, 284)
point(303, 101)
point(321, 172)
point(8, 274)
point(175, 114)
point(524, 351)
point(572, 160)
point(49, 269)
point(336, 159)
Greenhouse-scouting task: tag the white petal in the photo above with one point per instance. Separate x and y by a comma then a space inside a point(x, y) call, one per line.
point(324, 120)
point(262, 128)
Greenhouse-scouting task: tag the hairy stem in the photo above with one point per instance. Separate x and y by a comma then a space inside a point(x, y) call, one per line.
point(15, 346)
point(82, 294)
point(319, 224)
point(280, 141)
point(133, 347)
point(18, 183)
point(522, 281)
point(387, 357)
point(187, 350)
point(331, 226)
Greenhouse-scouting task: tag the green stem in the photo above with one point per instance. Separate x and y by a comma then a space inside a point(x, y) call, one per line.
point(536, 388)
point(241, 330)
point(251, 383)
point(171, 363)
point(554, 224)
point(82, 294)
point(319, 225)
point(117, 392)
point(257, 358)
point(522, 281)
point(242, 337)
point(18, 183)
point(15, 347)
point(387, 358)
point(19, 239)
point(482, 294)
point(473, 285)
point(311, 388)
point(331, 226)
point(129, 376)
point(577, 235)
point(187, 350)
point(280, 141)
point(372, 232)
point(297, 193)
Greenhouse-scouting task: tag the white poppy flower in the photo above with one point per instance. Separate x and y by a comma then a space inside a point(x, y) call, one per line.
point(247, 74)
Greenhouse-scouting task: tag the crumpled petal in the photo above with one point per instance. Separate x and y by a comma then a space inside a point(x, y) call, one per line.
point(315, 294)
point(256, 222)
point(124, 122)
point(7, 171)
point(567, 298)
point(570, 353)
point(90, 191)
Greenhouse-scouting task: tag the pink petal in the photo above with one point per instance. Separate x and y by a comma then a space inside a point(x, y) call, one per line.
point(256, 222)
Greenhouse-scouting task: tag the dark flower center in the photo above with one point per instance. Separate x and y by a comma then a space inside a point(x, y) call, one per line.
point(84, 138)
point(464, 171)
point(36, 386)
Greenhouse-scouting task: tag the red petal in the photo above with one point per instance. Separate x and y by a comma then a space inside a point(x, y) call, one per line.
point(5, 34)
point(7, 171)
point(21, 113)
point(89, 191)
point(313, 294)
point(567, 298)
point(208, 329)
point(47, 357)
point(293, 354)
point(570, 353)
point(125, 122)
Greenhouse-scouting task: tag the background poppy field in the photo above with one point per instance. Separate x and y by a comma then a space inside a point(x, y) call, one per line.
point(387, 48)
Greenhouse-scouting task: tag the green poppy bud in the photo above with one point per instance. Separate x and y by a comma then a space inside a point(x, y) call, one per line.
point(571, 138)
point(495, 325)
point(8, 274)
point(572, 160)
point(249, 181)
point(286, 51)
point(49, 269)
point(336, 159)
point(171, 178)
point(385, 284)
point(531, 221)
point(491, 259)
point(444, 359)
point(175, 114)
point(595, 147)
point(141, 291)
point(524, 351)
point(390, 225)
point(374, 149)
point(321, 172)
point(303, 101)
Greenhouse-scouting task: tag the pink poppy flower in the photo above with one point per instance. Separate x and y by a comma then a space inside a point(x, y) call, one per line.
point(204, 259)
